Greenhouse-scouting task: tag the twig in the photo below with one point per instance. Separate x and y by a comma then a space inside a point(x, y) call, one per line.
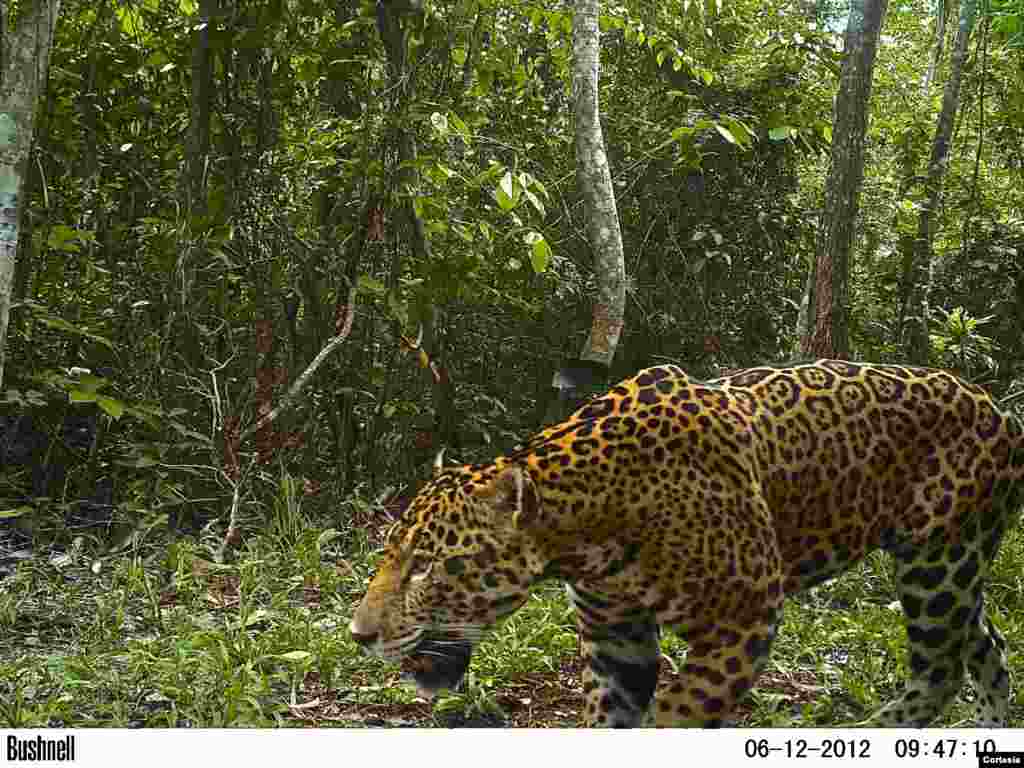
point(1012, 398)
point(305, 376)
point(233, 536)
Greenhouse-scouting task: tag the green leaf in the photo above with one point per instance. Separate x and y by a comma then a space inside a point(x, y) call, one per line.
point(112, 407)
point(64, 238)
point(131, 21)
point(505, 192)
point(156, 59)
point(221, 234)
point(87, 382)
point(439, 173)
point(367, 284)
point(184, 431)
point(82, 396)
point(726, 133)
point(484, 177)
point(540, 253)
point(258, 616)
point(145, 415)
point(63, 325)
point(326, 538)
point(744, 136)
point(781, 132)
point(534, 201)
point(459, 125)
point(16, 512)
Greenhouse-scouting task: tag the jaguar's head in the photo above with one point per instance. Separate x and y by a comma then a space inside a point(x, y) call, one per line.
point(460, 558)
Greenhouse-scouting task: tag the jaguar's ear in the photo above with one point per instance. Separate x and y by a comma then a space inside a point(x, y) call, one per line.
point(439, 462)
point(512, 494)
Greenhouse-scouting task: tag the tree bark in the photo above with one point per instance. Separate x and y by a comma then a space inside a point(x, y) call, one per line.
point(828, 305)
point(940, 42)
point(595, 181)
point(25, 62)
point(918, 278)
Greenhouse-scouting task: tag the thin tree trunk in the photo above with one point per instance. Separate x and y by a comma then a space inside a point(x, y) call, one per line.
point(181, 328)
point(829, 336)
point(908, 180)
point(23, 69)
point(199, 122)
point(602, 218)
point(392, 21)
point(916, 310)
point(940, 42)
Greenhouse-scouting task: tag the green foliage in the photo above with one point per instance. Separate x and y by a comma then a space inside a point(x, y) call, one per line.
point(1008, 20)
point(306, 191)
point(960, 345)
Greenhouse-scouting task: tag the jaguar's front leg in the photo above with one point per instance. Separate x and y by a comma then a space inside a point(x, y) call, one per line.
point(620, 658)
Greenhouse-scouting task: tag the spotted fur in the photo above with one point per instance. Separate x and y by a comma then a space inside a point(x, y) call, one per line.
point(698, 506)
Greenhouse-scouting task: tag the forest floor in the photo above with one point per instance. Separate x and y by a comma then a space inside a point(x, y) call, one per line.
point(158, 634)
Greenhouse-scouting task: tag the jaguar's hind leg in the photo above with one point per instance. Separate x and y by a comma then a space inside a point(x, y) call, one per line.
point(940, 588)
point(986, 661)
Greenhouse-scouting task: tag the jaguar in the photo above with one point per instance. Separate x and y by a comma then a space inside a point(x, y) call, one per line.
point(675, 504)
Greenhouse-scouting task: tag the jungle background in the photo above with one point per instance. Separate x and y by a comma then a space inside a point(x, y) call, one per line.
point(218, 190)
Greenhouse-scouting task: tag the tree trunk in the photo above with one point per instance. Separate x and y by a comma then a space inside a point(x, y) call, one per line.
point(199, 122)
point(594, 176)
point(940, 41)
point(829, 336)
point(919, 274)
point(23, 69)
point(588, 373)
point(193, 185)
point(908, 177)
point(393, 21)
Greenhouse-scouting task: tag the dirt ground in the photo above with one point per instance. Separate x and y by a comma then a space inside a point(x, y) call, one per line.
point(535, 700)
